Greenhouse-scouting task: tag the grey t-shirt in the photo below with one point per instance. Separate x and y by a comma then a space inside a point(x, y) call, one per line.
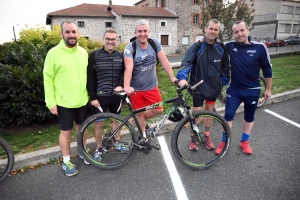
point(144, 70)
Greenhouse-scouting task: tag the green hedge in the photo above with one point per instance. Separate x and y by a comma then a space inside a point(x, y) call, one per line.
point(21, 88)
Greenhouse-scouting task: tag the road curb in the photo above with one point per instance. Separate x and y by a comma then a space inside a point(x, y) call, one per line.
point(42, 156)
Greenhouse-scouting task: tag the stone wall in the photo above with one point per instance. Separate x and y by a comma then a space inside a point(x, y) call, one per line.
point(94, 28)
point(185, 10)
point(128, 26)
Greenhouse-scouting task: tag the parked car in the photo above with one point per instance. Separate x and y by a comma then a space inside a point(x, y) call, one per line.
point(292, 40)
point(277, 43)
point(265, 42)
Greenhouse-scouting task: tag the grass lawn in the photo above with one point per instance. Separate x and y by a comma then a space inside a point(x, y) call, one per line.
point(286, 71)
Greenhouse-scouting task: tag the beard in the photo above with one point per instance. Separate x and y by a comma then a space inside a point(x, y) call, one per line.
point(70, 43)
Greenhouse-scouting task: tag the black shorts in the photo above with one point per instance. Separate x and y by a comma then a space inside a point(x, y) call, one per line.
point(113, 103)
point(66, 116)
point(198, 102)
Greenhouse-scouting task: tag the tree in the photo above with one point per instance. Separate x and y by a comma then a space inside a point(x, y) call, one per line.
point(227, 12)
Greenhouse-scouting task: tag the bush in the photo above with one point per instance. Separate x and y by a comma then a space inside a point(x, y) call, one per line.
point(21, 89)
point(21, 75)
point(122, 46)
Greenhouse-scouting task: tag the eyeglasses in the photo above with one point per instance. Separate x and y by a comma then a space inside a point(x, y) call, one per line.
point(110, 39)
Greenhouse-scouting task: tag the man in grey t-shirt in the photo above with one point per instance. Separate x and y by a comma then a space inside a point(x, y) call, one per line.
point(140, 73)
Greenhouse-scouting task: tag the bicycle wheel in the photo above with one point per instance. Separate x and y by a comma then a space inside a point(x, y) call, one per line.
point(6, 159)
point(261, 100)
point(111, 157)
point(202, 158)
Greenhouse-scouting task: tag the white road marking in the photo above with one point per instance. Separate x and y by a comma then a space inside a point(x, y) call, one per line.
point(177, 184)
point(283, 118)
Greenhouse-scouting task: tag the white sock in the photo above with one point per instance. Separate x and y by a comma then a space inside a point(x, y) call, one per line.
point(66, 158)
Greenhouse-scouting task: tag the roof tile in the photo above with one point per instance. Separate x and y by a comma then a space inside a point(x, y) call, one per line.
point(100, 10)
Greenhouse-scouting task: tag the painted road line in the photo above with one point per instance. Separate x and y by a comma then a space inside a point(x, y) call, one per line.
point(177, 184)
point(283, 118)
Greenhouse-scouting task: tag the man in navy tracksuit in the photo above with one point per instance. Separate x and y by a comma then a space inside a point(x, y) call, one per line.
point(246, 59)
point(208, 61)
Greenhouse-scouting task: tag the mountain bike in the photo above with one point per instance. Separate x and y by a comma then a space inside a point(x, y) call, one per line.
point(133, 138)
point(6, 159)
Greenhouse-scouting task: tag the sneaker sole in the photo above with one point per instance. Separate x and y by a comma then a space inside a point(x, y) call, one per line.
point(195, 149)
point(87, 163)
point(209, 148)
point(71, 174)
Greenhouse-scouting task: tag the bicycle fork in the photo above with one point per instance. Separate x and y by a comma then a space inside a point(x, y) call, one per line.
point(195, 130)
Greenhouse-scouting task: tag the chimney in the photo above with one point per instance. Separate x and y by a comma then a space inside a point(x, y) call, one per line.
point(109, 3)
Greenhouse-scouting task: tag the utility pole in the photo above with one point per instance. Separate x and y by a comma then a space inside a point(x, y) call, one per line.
point(14, 33)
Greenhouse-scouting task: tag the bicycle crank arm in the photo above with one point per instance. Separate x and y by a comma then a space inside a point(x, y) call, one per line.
point(156, 146)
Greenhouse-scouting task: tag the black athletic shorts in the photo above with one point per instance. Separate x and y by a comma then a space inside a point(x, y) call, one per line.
point(66, 116)
point(112, 103)
point(197, 102)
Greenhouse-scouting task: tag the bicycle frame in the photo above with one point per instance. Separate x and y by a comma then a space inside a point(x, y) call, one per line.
point(177, 101)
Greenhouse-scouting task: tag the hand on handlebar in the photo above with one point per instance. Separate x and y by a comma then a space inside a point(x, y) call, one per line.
point(182, 83)
point(129, 90)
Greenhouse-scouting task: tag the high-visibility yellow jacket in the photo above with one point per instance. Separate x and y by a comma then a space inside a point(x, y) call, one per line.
point(65, 76)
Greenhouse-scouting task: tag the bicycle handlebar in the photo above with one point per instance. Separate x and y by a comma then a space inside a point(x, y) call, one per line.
point(179, 89)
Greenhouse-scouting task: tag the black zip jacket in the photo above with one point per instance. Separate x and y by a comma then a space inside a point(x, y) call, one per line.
point(208, 63)
point(104, 72)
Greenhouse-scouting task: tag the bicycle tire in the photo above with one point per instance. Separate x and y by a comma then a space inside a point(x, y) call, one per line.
point(111, 158)
point(6, 159)
point(202, 158)
point(262, 101)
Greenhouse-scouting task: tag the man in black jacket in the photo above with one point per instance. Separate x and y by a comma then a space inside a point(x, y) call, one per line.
point(104, 74)
point(205, 60)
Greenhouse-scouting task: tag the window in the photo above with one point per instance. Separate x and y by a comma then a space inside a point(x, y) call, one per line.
point(297, 11)
point(287, 9)
point(163, 23)
point(205, 2)
point(164, 39)
point(296, 28)
point(80, 23)
point(108, 24)
point(287, 28)
point(195, 1)
point(196, 19)
point(284, 28)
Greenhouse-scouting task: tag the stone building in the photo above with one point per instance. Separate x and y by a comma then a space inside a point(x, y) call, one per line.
point(93, 19)
point(189, 16)
point(175, 22)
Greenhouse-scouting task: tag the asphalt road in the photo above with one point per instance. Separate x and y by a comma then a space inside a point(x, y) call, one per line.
point(271, 172)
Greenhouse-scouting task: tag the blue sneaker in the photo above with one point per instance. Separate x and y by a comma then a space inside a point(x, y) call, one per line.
point(69, 168)
point(98, 155)
point(81, 157)
point(121, 147)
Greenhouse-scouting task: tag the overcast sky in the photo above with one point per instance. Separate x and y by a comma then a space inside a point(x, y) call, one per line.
point(17, 13)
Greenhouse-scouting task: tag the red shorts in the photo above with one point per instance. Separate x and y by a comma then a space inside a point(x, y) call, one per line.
point(141, 99)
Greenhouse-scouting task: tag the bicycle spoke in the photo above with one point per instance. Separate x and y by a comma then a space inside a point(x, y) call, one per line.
point(114, 153)
point(203, 157)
